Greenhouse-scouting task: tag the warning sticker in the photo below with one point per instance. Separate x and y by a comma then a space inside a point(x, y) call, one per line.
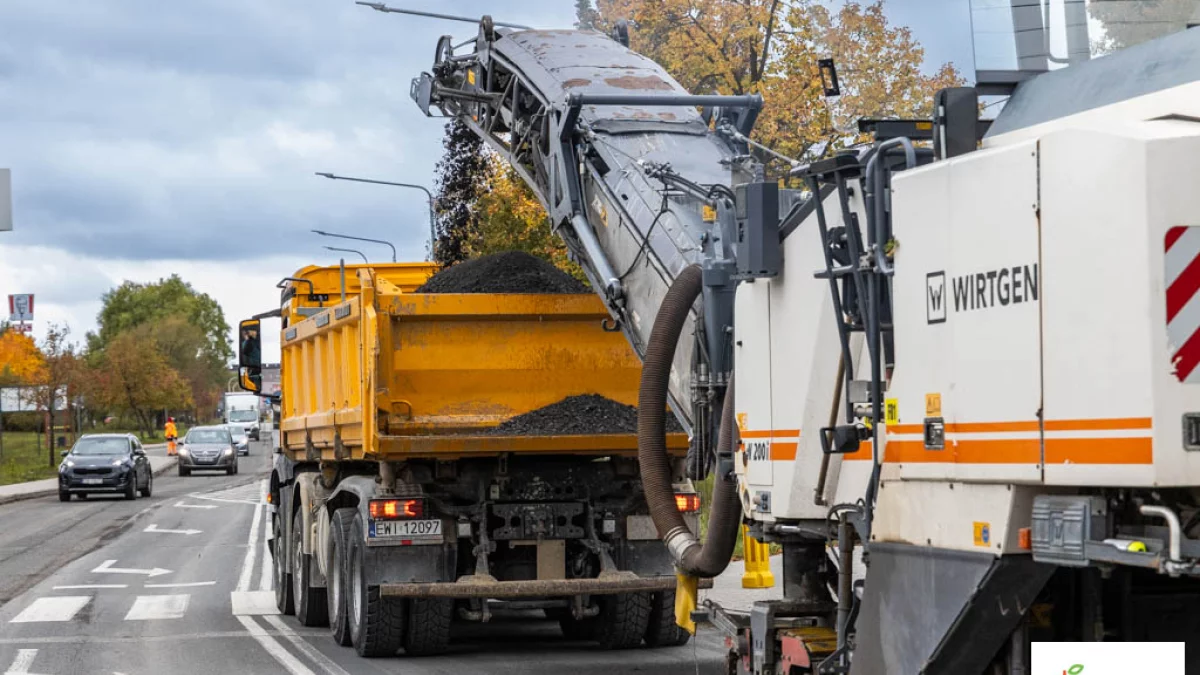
point(933, 405)
point(891, 411)
point(983, 533)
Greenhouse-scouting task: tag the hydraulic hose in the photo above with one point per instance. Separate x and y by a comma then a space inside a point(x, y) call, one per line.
point(693, 558)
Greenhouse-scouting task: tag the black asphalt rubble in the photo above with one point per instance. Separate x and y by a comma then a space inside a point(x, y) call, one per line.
point(577, 415)
point(508, 272)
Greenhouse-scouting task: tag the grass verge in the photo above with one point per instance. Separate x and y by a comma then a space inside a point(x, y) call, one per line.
point(25, 458)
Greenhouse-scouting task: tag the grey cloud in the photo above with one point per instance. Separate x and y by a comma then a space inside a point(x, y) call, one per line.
point(147, 130)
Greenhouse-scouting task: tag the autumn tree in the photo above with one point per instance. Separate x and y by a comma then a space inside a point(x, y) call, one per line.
point(19, 358)
point(771, 47)
point(134, 378)
point(182, 345)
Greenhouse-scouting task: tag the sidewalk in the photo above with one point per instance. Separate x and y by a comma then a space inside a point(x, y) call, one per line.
point(36, 489)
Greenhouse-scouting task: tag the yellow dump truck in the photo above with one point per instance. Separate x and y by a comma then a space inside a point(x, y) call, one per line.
point(400, 503)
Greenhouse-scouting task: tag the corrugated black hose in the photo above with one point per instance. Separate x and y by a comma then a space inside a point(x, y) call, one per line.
point(712, 557)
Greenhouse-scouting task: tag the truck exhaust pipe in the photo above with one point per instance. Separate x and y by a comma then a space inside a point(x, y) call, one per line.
point(693, 558)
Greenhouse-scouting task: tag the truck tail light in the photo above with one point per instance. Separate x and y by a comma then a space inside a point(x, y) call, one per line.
point(393, 509)
point(687, 502)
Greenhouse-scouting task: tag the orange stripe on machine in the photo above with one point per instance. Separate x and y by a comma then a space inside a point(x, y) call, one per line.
point(1021, 442)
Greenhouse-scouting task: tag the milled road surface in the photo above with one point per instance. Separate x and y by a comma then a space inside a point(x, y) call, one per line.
point(150, 586)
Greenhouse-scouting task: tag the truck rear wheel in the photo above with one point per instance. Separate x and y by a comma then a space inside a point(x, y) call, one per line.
point(283, 579)
point(622, 621)
point(376, 622)
point(339, 620)
point(311, 609)
point(428, 630)
point(662, 630)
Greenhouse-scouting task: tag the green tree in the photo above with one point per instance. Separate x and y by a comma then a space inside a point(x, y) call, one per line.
point(52, 384)
point(132, 304)
point(187, 328)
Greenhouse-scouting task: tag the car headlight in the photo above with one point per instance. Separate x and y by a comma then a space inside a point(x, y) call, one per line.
point(119, 461)
point(68, 463)
point(228, 451)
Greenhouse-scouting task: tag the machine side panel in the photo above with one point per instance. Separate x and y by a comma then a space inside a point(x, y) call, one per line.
point(1097, 310)
point(752, 389)
point(805, 350)
point(979, 252)
point(1172, 163)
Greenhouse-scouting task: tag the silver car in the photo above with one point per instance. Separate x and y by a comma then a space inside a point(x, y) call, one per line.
point(208, 448)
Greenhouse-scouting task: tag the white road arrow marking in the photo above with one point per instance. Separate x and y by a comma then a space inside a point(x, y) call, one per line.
point(155, 528)
point(21, 664)
point(183, 585)
point(181, 505)
point(107, 566)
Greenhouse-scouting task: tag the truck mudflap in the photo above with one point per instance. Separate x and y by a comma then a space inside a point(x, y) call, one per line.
point(477, 586)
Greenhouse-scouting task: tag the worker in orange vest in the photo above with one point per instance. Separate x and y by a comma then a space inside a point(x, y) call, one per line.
point(171, 435)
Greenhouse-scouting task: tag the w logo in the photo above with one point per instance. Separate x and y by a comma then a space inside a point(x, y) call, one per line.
point(935, 297)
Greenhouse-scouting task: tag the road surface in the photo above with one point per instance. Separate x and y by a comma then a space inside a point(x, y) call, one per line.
point(180, 583)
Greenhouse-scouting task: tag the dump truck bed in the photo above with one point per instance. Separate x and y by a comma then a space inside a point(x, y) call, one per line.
point(390, 375)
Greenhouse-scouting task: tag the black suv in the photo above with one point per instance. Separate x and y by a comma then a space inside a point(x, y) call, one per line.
point(113, 463)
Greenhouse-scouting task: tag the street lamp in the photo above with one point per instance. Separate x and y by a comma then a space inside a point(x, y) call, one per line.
point(347, 236)
point(422, 188)
point(347, 250)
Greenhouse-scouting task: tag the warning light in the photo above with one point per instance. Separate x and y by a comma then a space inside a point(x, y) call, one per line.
point(1025, 538)
point(391, 509)
point(687, 502)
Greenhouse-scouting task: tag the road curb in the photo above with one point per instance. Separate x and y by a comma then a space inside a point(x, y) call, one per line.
point(171, 464)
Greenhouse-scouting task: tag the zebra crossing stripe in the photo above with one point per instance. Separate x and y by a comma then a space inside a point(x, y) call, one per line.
point(155, 607)
point(43, 610)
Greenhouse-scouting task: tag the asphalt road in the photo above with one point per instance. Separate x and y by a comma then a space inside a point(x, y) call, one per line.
point(180, 583)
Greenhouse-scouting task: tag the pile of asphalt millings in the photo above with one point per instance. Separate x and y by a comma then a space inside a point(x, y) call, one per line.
point(508, 272)
point(586, 414)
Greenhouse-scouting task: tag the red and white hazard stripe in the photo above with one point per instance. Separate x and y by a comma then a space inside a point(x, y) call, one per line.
point(1182, 274)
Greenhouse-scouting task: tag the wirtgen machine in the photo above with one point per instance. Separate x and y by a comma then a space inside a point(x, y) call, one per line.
point(966, 352)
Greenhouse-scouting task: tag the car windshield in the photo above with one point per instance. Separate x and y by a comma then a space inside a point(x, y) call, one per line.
point(101, 446)
point(242, 416)
point(208, 436)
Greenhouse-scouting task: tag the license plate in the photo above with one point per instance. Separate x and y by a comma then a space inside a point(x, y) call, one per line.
point(93, 481)
point(406, 529)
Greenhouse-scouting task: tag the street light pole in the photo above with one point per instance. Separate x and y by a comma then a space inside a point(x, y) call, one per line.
point(347, 236)
point(347, 250)
point(422, 188)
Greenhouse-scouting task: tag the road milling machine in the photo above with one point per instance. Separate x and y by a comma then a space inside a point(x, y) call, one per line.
point(961, 358)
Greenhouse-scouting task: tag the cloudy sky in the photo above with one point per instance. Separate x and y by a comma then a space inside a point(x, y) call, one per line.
point(149, 138)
